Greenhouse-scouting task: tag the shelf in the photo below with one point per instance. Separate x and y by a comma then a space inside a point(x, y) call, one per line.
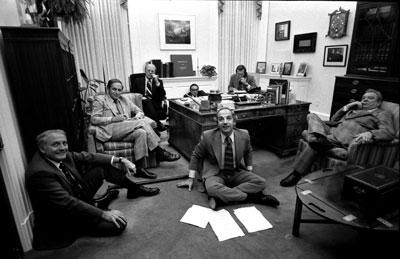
point(290, 78)
point(188, 79)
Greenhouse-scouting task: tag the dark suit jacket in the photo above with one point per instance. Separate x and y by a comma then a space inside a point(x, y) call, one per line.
point(208, 152)
point(158, 92)
point(57, 210)
point(234, 82)
point(199, 93)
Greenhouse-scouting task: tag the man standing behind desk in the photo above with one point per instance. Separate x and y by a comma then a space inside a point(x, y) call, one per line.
point(356, 122)
point(152, 88)
point(220, 153)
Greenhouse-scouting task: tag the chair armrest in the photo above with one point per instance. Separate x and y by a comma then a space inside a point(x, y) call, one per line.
point(374, 153)
point(91, 141)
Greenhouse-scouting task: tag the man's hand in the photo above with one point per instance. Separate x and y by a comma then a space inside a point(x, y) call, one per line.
point(354, 105)
point(139, 116)
point(155, 77)
point(188, 183)
point(363, 137)
point(114, 216)
point(243, 81)
point(118, 118)
point(129, 166)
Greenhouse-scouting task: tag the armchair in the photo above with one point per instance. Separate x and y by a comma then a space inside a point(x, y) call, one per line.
point(123, 149)
point(375, 153)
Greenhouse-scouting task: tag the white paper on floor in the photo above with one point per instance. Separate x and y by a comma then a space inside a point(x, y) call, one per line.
point(197, 215)
point(224, 225)
point(252, 219)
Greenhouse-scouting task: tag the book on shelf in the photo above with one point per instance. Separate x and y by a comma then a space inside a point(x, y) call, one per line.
point(182, 65)
point(284, 91)
point(273, 94)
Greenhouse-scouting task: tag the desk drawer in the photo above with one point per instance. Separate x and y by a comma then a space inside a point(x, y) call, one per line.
point(298, 118)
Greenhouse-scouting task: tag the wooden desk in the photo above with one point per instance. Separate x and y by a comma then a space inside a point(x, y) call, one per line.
point(281, 134)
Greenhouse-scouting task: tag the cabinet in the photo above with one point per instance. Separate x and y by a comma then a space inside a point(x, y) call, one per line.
point(44, 87)
point(373, 61)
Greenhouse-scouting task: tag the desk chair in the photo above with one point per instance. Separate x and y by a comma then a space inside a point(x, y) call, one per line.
point(370, 154)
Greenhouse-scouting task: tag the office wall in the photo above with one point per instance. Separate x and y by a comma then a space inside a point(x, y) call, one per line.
point(145, 35)
point(306, 17)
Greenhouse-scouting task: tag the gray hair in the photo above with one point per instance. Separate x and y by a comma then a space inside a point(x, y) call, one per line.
point(378, 94)
point(42, 137)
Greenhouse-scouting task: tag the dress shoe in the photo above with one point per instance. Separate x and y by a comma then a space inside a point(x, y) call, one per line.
point(268, 200)
point(164, 155)
point(161, 127)
point(290, 180)
point(142, 191)
point(140, 172)
point(105, 200)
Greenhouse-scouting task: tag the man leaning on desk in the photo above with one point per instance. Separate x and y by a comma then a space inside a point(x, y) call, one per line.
point(242, 81)
point(194, 91)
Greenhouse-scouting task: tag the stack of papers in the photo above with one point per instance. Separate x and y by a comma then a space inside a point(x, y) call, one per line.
point(223, 224)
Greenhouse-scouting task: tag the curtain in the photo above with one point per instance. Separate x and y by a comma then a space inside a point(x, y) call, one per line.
point(101, 42)
point(238, 34)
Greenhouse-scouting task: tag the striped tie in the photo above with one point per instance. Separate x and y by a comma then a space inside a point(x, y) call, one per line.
point(75, 184)
point(228, 161)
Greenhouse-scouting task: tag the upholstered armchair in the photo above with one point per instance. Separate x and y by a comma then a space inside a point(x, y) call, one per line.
point(122, 149)
point(375, 153)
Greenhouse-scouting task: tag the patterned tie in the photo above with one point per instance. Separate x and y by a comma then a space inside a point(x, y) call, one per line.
point(75, 185)
point(119, 107)
point(149, 87)
point(228, 161)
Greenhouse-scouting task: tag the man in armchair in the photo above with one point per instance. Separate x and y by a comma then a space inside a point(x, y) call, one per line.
point(359, 122)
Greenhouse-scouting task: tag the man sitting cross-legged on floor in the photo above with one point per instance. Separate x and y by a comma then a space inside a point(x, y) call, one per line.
point(359, 122)
point(61, 186)
point(118, 119)
point(220, 152)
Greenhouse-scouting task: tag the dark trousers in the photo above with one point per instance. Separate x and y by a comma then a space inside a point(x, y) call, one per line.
point(153, 110)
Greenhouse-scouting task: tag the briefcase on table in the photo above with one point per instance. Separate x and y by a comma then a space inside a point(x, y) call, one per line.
point(375, 190)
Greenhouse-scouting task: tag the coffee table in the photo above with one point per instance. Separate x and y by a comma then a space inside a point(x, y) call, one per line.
point(321, 192)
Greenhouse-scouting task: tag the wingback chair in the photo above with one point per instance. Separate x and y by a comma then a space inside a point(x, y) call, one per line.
point(375, 153)
point(122, 149)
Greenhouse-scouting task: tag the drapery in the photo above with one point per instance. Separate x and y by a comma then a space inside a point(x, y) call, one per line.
point(101, 42)
point(238, 34)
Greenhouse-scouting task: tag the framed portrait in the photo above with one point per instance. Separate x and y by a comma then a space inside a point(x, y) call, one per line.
point(282, 30)
point(275, 68)
point(304, 43)
point(261, 67)
point(177, 31)
point(302, 71)
point(287, 68)
point(335, 56)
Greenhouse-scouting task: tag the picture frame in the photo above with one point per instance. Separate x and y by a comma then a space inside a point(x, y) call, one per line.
point(282, 31)
point(335, 55)
point(302, 71)
point(177, 32)
point(275, 68)
point(287, 68)
point(304, 43)
point(338, 20)
point(261, 67)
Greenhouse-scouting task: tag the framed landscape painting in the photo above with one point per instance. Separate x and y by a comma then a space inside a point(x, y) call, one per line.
point(177, 31)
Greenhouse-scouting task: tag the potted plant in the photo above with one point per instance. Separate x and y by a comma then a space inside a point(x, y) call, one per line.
point(69, 10)
point(208, 70)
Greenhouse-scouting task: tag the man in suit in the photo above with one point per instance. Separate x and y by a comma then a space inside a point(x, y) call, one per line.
point(195, 92)
point(61, 186)
point(221, 153)
point(118, 119)
point(152, 89)
point(356, 122)
point(242, 81)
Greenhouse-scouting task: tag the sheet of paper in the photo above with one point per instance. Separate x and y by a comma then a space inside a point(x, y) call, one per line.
point(252, 219)
point(224, 225)
point(197, 215)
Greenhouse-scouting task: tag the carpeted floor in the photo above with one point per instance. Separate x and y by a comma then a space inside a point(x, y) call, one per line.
point(154, 230)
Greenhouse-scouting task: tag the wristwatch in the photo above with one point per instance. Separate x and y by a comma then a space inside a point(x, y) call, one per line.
point(120, 159)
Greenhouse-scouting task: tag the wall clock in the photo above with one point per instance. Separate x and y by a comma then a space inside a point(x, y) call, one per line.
point(338, 23)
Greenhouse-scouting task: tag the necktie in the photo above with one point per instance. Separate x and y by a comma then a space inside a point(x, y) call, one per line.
point(119, 107)
point(149, 88)
point(76, 186)
point(228, 160)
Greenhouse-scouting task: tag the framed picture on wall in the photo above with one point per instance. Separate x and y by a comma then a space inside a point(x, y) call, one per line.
point(304, 43)
point(261, 67)
point(335, 56)
point(287, 68)
point(177, 31)
point(275, 68)
point(282, 30)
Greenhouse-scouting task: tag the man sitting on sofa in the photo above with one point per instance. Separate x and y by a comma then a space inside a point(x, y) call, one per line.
point(357, 121)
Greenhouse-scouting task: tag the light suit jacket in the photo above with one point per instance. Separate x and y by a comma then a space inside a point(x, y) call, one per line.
point(208, 152)
point(379, 122)
point(56, 207)
point(104, 109)
point(234, 81)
